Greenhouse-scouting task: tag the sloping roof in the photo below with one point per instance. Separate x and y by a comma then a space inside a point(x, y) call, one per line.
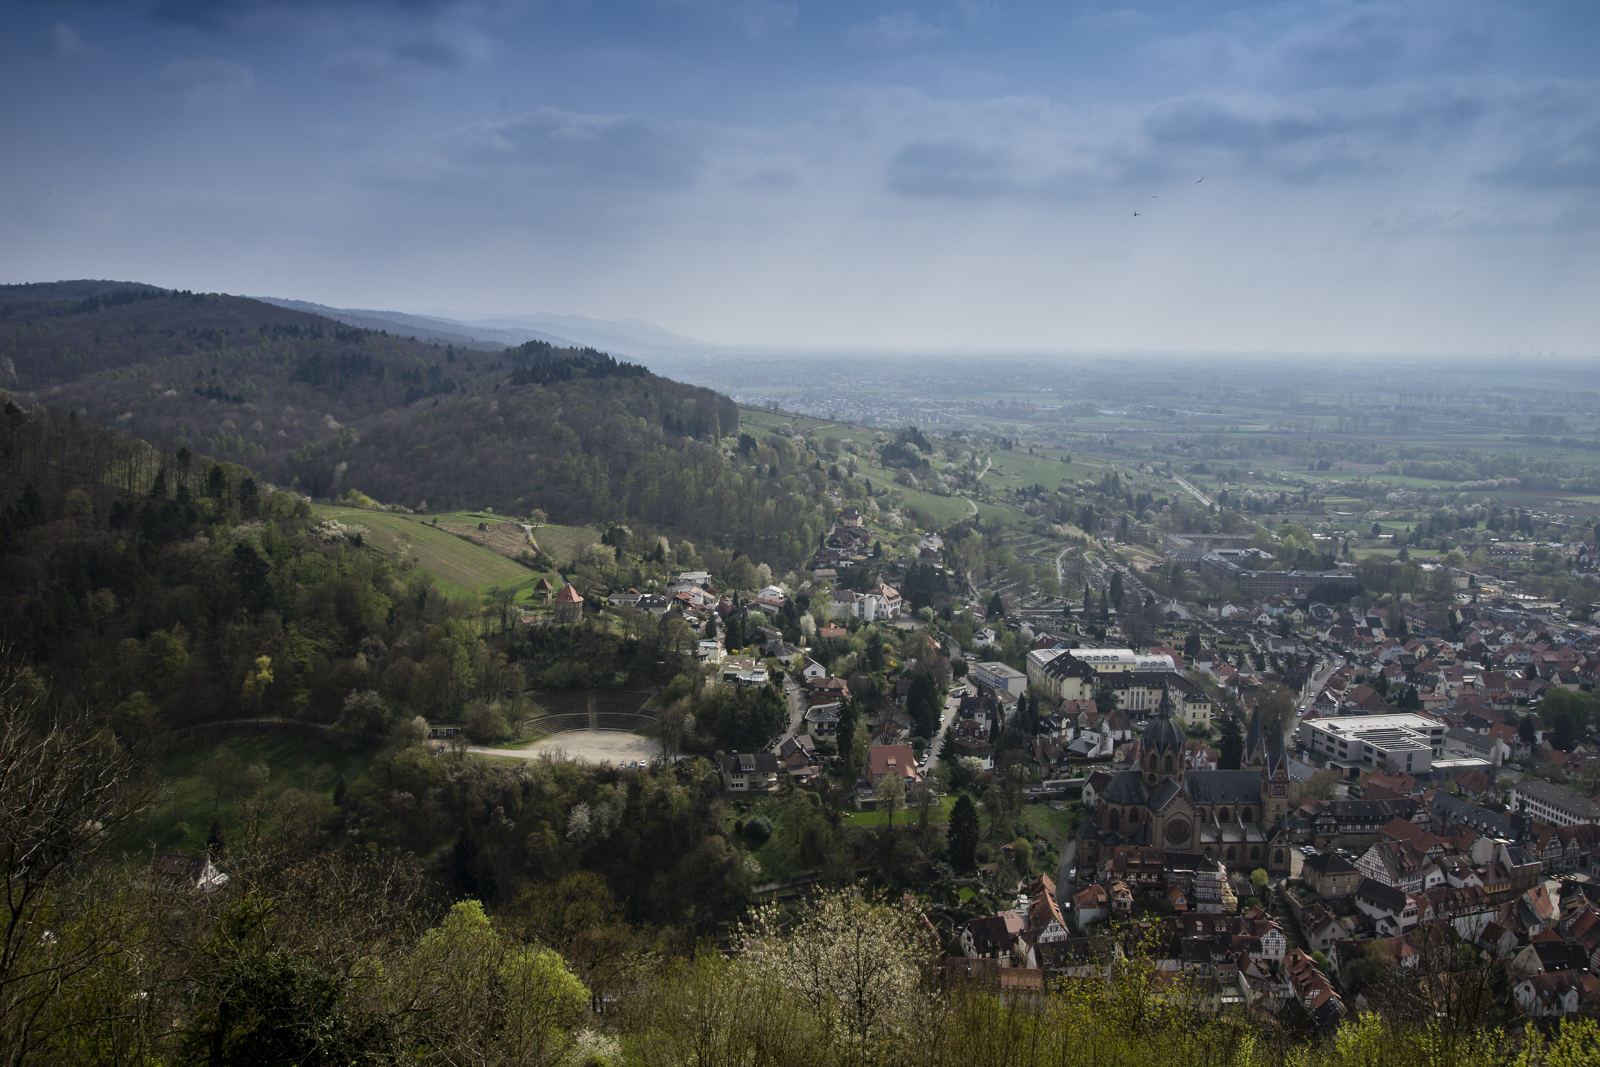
point(892, 759)
point(1127, 787)
point(569, 595)
point(1386, 897)
point(751, 763)
point(1328, 863)
point(1223, 787)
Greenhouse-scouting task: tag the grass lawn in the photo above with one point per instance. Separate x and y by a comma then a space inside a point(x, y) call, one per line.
point(1053, 826)
point(181, 817)
point(903, 817)
point(459, 567)
point(561, 542)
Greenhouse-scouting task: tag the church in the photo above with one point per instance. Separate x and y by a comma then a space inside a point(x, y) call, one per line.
point(1237, 817)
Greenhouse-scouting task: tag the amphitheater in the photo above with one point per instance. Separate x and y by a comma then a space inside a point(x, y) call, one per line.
point(593, 726)
point(591, 709)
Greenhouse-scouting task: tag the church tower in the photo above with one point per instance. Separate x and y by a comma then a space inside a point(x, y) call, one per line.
point(1255, 745)
point(1162, 752)
point(1279, 795)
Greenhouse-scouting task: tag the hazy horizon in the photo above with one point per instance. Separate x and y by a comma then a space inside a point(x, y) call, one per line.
point(1409, 179)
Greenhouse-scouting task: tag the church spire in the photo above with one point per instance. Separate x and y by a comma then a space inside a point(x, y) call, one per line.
point(1255, 746)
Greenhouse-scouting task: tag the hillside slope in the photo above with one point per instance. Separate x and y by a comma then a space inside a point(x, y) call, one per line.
point(324, 407)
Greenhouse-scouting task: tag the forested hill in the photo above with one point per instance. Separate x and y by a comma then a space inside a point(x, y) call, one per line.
point(322, 407)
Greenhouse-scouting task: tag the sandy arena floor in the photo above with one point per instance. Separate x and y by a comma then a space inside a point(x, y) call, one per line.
point(585, 746)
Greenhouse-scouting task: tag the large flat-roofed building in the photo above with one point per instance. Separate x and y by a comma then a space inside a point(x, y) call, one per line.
point(1060, 676)
point(1217, 567)
point(1111, 660)
point(1141, 692)
point(1072, 673)
point(1552, 804)
point(999, 676)
point(1397, 743)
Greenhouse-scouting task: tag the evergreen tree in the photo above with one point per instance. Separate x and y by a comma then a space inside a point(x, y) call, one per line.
point(1231, 746)
point(341, 789)
point(216, 844)
point(847, 729)
point(1191, 645)
point(922, 704)
point(997, 606)
point(962, 835)
point(1525, 729)
point(1116, 589)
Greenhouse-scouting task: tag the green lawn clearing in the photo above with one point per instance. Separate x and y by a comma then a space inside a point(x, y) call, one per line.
point(193, 794)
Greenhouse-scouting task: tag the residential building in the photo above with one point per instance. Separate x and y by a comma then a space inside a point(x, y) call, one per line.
point(1551, 803)
point(751, 772)
point(1330, 874)
point(884, 760)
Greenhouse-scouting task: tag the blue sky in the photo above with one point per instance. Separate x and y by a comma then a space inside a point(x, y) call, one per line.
point(1392, 177)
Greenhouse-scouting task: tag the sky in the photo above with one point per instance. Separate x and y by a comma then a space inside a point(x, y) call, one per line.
point(965, 175)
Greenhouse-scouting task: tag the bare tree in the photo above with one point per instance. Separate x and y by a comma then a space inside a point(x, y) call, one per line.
point(64, 789)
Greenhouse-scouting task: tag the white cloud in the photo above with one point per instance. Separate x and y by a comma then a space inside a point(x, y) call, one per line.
point(416, 50)
point(756, 17)
point(65, 42)
point(894, 31)
point(194, 83)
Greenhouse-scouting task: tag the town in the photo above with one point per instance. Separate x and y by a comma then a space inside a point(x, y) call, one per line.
point(1285, 793)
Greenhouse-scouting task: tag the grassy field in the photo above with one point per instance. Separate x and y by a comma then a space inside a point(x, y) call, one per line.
point(561, 542)
point(1053, 826)
point(296, 758)
point(459, 567)
point(903, 817)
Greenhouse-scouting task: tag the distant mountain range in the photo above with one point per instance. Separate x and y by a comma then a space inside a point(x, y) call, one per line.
point(629, 337)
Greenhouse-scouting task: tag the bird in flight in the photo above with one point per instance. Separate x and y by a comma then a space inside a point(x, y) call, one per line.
point(1135, 214)
point(1201, 180)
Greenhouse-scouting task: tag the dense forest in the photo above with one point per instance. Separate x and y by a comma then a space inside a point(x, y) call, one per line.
point(323, 408)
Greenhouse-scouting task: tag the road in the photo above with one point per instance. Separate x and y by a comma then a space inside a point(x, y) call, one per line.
point(952, 704)
point(1317, 682)
point(1198, 495)
point(797, 708)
